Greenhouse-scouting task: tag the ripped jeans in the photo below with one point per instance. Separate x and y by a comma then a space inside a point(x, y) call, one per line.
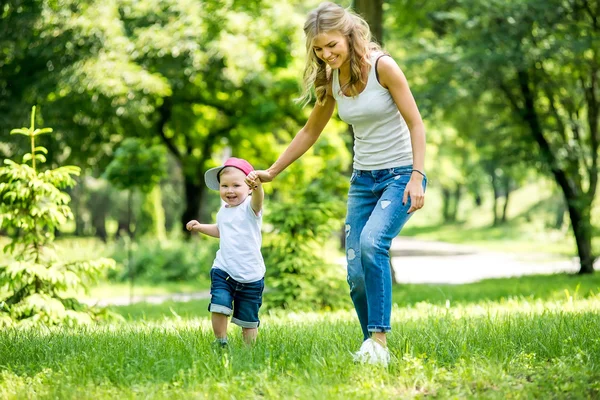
point(374, 217)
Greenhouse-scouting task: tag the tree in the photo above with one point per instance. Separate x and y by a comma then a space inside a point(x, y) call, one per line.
point(201, 76)
point(35, 287)
point(542, 59)
point(372, 12)
point(538, 61)
point(139, 167)
point(495, 148)
point(71, 58)
point(229, 79)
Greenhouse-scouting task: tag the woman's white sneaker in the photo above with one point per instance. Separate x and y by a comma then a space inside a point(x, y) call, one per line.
point(371, 352)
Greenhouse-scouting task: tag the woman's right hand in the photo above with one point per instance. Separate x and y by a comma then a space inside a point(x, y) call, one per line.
point(262, 175)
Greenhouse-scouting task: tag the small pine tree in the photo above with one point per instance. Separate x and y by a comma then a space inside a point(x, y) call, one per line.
point(36, 287)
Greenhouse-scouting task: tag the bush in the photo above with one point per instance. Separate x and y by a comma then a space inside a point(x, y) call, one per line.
point(36, 286)
point(298, 277)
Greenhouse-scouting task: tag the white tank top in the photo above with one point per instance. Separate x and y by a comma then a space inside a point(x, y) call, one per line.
point(381, 136)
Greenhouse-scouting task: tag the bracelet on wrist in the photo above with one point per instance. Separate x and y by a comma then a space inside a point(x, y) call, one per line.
point(420, 172)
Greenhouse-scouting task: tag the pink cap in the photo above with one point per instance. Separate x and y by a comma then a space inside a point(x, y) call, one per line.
point(211, 177)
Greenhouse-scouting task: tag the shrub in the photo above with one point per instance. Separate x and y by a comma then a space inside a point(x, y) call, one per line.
point(298, 277)
point(36, 287)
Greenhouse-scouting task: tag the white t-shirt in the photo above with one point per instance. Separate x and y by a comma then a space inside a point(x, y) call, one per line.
point(239, 244)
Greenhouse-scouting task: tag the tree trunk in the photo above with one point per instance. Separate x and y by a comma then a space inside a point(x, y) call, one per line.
point(122, 228)
point(577, 203)
point(152, 215)
point(496, 196)
point(126, 219)
point(560, 216)
point(99, 223)
point(79, 222)
point(504, 217)
point(582, 228)
point(507, 190)
point(456, 197)
point(478, 199)
point(99, 203)
point(78, 211)
point(446, 204)
point(372, 12)
point(194, 194)
point(78, 206)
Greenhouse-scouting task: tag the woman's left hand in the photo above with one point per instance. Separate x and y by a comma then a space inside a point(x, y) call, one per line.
point(414, 189)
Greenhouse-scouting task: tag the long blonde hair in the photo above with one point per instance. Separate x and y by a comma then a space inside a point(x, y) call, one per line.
point(332, 17)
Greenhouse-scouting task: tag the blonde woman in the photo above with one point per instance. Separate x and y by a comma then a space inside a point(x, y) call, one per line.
point(388, 181)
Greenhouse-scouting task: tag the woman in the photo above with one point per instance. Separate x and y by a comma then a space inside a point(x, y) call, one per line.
point(388, 181)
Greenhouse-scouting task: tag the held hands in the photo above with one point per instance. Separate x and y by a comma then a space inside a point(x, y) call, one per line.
point(192, 226)
point(414, 189)
point(261, 176)
point(255, 179)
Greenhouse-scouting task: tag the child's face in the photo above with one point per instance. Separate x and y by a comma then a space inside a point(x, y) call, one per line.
point(232, 187)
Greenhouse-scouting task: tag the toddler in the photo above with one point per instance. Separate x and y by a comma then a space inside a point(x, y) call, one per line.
point(237, 275)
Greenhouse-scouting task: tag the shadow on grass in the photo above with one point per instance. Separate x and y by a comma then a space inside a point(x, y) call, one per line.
point(543, 287)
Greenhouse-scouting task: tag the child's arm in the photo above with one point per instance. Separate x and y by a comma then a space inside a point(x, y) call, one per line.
point(207, 229)
point(258, 193)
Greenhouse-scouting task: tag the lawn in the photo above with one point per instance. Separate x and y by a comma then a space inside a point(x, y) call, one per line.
point(528, 337)
point(533, 337)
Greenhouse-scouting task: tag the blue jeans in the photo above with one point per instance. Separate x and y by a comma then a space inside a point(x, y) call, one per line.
point(229, 296)
point(375, 216)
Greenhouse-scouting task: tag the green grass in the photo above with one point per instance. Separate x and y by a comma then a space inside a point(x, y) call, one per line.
point(557, 287)
point(532, 337)
point(542, 350)
point(167, 310)
point(106, 290)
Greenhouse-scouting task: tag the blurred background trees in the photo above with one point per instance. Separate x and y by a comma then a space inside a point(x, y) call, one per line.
point(527, 74)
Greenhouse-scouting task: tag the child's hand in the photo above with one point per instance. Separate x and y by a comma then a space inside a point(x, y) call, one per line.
point(253, 180)
point(190, 226)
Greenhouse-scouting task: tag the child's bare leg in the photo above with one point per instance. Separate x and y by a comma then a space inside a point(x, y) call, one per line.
point(249, 335)
point(219, 324)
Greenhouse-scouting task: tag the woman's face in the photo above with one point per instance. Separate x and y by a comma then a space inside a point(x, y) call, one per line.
point(331, 47)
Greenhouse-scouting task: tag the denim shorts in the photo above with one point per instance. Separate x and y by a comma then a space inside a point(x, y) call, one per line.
point(240, 300)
